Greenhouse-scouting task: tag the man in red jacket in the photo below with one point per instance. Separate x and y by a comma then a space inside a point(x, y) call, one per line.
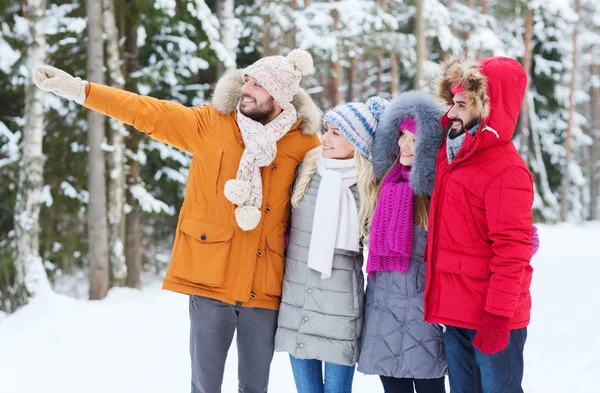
point(480, 222)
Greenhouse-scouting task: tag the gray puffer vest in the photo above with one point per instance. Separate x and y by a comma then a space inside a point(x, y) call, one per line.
point(396, 340)
point(320, 319)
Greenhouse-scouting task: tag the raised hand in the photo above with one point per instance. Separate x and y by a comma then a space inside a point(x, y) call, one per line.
point(57, 81)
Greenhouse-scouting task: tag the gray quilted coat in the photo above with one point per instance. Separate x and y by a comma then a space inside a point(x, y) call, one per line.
point(396, 341)
point(320, 319)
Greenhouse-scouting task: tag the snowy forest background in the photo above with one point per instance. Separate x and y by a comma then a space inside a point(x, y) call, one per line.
point(87, 204)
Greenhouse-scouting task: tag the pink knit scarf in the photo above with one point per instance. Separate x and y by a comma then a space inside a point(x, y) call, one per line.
point(392, 229)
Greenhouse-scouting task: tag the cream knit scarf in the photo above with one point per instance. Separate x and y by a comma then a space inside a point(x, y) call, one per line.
point(261, 148)
point(335, 222)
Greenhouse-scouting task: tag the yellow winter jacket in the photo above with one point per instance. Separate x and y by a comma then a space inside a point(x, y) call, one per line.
point(212, 256)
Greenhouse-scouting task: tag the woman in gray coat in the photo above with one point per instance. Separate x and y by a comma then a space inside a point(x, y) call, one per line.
point(321, 314)
point(397, 344)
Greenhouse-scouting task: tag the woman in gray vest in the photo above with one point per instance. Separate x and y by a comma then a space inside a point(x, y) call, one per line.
point(321, 313)
point(397, 344)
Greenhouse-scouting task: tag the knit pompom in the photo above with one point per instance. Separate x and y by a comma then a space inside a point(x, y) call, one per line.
point(237, 191)
point(302, 60)
point(247, 217)
point(376, 106)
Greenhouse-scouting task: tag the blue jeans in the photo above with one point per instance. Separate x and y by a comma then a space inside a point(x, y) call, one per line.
point(471, 371)
point(308, 375)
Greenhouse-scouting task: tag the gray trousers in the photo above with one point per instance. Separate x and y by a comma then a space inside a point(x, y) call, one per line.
point(213, 324)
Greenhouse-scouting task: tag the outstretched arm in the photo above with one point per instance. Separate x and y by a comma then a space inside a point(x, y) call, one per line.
point(165, 121)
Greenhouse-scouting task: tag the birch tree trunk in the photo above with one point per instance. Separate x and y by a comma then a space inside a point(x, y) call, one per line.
point(420, 34)
point(335, 96)
point(115, 158)
point(133, 234)
point(227, 34)
point(97, 226)
point(564, 202)
point(31, 278)
point(595, 147)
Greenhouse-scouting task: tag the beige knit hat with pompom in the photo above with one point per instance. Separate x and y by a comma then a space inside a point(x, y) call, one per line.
point(281, 75)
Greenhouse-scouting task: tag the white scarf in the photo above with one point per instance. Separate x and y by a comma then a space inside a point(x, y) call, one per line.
point(335, 222)
point(260, 151)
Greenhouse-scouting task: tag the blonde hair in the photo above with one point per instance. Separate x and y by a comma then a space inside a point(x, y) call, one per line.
point(366, 185)
point(309, 168)
point(368, 191)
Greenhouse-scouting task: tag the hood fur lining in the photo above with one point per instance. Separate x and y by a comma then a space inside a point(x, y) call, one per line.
point(468, 74)
point(427, 113)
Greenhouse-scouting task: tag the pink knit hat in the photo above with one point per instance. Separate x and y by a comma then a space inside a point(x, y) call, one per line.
point(281, 75)
point(408, 124)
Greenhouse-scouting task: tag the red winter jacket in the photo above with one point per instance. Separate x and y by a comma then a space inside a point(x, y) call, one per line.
point(479, 242)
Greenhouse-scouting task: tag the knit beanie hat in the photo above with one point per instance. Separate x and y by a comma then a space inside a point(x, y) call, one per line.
point(408, 124)
point(358, 121)
point(281, 75)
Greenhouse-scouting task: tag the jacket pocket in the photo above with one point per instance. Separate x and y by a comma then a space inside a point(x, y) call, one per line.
point(467, 265)
point(274, 264)
point(216, 170)
point(203, 252)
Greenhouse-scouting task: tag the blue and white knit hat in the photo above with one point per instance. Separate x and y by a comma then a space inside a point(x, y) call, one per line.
point(358, 121)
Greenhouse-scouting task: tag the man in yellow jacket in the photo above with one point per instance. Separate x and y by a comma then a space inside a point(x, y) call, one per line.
point(229, 244)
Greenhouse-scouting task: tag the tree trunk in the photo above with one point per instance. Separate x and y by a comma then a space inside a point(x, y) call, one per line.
point(294, 30)
point(266, 33)
point(379, 83)
point(380, 59)
point(133, 238)
point(220, 67)
point(394, 74)
point(350, 93)
point(364, 75)
point(595, 147)
point(116, 157)
point(527, 60)
point(420, 34)
point(227, 34)
point(483, 12)
point(97, 227)
point(133, 250)
point(31, 278)
point(469, 4)
point(335, 96)
point(564, 203)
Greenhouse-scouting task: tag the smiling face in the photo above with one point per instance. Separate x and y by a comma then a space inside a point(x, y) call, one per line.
point(257, 103)
point(406, 143)
point(462, 115)
point(335, 144)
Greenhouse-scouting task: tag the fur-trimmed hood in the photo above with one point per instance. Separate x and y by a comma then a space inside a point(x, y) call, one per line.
point(426, 112)
point(496, 86)
point(228, 94)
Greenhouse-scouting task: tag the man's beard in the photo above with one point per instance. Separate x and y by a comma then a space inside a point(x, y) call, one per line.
point(260, 113)
point(453, 133)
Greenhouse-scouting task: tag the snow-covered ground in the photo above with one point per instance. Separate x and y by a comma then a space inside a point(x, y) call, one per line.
point(137, 341)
